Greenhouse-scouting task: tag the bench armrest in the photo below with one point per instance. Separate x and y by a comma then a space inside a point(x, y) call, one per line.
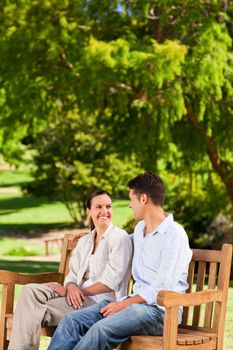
point(9, 277)
point(169, 299)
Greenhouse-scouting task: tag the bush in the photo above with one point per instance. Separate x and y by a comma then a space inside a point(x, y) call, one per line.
point(20, 251)
point(130, 225)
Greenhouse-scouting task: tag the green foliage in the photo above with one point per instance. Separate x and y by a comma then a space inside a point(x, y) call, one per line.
point(130, 225)
point(72, 159)
point(195, 201)
point(94, 86)
point(20, 251)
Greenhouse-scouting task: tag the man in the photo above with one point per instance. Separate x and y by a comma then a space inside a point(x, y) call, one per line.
point(160, 262)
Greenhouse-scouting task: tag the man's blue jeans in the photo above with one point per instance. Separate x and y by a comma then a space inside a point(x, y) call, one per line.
point(87, 329)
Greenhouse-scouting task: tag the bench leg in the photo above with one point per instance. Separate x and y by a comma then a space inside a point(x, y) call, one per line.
point(7, 308)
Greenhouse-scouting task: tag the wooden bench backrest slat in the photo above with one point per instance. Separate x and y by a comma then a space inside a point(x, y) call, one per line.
point(200, 283)
point(190, 283)
point(223, 284)
point(209, 269)
point(206, 255)
point(67, 247)
point(211, 285)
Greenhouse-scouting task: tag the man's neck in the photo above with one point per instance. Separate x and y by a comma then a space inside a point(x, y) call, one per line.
point(153, 218)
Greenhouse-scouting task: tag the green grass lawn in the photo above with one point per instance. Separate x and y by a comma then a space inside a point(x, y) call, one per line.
point(9, 178)
point(26, 213)
point(23, 213)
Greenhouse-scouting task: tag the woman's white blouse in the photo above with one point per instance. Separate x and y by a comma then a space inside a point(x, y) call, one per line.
point(110, 264)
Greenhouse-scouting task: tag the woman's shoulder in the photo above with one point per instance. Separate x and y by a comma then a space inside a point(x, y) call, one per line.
point(83, 239)
point(118, 233)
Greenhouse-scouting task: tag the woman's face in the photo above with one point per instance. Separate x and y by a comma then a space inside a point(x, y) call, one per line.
point(101, 210)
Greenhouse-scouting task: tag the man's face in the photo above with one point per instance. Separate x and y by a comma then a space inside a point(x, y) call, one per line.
point(136, 205)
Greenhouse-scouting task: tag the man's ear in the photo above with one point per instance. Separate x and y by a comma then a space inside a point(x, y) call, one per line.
point(144, 198)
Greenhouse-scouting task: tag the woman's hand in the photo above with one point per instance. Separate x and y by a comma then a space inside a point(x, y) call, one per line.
point(58, 288)
point(74, 295)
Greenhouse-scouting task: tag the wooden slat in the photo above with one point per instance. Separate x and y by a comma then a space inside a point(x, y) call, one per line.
point(206, 330)
point(9, 277)
point(206, 255)
point(211, 285)
point(142, 342)
point(9, 319)
point(200, 283)
point(68, 245)
point(184, 338)
point(197, 336)
point(8, 292)
point(169, 299)
point(205, 346)
point(48, 331)
point(64, 254)
point(223, 283)
point(190, 278)
point(170, 328)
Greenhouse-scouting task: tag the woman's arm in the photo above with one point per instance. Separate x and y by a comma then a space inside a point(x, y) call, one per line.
point(96, 288)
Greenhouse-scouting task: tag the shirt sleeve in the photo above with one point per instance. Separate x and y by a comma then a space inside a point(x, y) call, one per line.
point(118, 263)
point(172, 270)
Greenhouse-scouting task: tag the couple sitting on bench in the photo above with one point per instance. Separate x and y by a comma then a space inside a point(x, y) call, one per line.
point(95, 311)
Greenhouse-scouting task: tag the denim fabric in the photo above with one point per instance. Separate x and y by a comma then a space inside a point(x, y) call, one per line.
point(87, 329)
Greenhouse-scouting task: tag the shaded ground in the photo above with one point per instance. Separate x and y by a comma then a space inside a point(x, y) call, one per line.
point(40, 234)
point(27, 265)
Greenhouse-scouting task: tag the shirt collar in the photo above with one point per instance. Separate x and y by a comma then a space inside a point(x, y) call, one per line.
point(163, 226)
point(106, 232)
point(165, 223)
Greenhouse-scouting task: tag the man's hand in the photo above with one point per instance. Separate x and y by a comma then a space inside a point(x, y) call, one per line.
point(112, 308)
point(74, 296)
point(58, 288)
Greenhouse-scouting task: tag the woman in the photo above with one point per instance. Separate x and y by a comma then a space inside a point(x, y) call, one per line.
point(99, 269)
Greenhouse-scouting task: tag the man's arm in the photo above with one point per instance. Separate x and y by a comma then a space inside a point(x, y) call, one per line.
point(117, 306)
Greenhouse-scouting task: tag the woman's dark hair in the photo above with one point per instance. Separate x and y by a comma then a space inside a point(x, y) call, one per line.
point(95, 193)
point(150, 184)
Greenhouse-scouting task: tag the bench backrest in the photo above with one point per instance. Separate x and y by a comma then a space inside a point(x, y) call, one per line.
point(209, 269)
point(67, 248)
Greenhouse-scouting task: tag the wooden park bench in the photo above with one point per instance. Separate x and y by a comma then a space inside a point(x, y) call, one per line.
point(53, 241)
point(203, 328)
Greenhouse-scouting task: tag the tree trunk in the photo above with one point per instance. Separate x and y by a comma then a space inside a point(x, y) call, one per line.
point(218, 164)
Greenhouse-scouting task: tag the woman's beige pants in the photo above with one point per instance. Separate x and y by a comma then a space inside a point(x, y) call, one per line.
point(38, 305)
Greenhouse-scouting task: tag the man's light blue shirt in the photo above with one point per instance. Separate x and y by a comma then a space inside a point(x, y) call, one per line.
point(161, 260)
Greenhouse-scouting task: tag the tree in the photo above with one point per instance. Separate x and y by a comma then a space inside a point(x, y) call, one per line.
point(156, 75)
point(177, 97)
point(72, 159)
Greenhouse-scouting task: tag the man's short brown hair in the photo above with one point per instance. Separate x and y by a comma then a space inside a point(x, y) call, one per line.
point(150, 184)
